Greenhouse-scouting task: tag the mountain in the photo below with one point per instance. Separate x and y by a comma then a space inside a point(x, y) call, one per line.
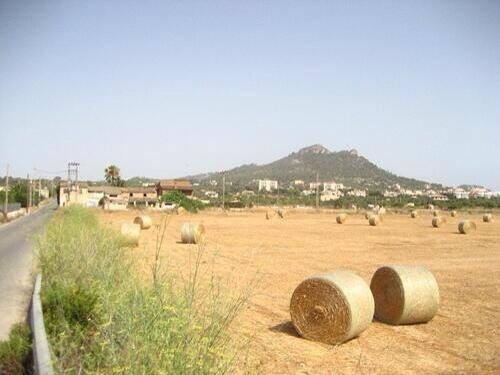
point(347, 167)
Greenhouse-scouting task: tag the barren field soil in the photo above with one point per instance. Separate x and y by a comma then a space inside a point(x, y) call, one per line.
point(462, 338)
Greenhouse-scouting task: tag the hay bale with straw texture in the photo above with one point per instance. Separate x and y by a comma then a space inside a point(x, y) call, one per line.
point(414, 214)
point(192, 232)
point(487, 218)
point(267, 215)
point(341, 218)
point(332, 308)
point(466, 226)
point(280, 213)
point(435, 213)
point(438, 221)
point(404, 294)
point(453, 213)
point(131, 232)
point(374, 220)
point(144, 221)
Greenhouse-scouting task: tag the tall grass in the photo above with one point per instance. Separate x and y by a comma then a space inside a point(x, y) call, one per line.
point(102, 317)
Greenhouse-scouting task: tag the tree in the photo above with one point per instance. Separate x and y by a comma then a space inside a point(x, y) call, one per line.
point(112, 175)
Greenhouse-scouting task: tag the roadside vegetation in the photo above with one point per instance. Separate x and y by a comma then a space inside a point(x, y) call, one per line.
point(15, 351)
point(102, 317)
point(181, 200)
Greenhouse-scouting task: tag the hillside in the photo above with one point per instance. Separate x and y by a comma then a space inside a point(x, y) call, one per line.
point(347, 167)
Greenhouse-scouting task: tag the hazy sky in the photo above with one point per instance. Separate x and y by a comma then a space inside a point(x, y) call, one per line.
point(166, 88)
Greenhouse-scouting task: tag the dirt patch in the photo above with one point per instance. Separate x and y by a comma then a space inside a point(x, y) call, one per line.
point(462, 338)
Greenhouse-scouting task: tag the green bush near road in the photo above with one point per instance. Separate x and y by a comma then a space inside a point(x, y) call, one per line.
point(101, 317)
point(15, 352)
point(181, 200)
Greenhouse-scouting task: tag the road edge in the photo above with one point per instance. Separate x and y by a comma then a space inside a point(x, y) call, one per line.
point(42, 361)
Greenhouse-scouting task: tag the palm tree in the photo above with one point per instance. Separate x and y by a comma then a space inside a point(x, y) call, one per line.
point(112, 175)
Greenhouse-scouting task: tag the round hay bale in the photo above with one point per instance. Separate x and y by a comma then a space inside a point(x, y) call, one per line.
point(404, 294)
point(374, 220)
point(437, 221)
point(466, 226)
point(131, 232)
point(280, 213)
point(435, 213)
point(341, 218)
point(453, 213)
point(144, 221)
point(192, 232)
point(414, 214)
point(487, 218)
point(332, 308)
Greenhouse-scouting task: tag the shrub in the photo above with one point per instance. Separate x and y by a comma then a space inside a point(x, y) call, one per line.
point(181, 200)
point(14, 352)
point(101, 317)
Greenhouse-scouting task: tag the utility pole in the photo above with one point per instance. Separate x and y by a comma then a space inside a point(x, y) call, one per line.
point(39, 190)
point(278, 200)
point(29, 193)
point(224, 191)
point(317, 190)
point(6, 192)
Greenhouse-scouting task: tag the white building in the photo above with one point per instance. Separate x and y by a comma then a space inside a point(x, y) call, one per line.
point(212, 194)
point(268, 185)
point(461, 193)
point(307, 193)
point(314, 185)
point(332, 186)
point(330, 195)
point(298, 182)
point(357, 193)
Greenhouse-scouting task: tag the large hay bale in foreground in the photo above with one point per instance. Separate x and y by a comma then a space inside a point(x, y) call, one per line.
point(437, 221)
point(332, 308)
point(414, 214)
point(374, 220)
point(466, 226)
point(192, 232)
point(341, 218)
point(453, 213)
point(404, 294)
point(131, 232)
point(144, 221)
point(487, 218)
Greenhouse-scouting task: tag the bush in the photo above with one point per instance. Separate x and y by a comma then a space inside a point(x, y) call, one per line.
point(14, 352)
point(101, 317)
point(181, 200)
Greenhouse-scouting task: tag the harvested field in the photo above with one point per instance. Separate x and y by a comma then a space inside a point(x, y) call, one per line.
point(462, 337)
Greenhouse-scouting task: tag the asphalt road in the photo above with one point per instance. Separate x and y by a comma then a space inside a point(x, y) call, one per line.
point(16, 265)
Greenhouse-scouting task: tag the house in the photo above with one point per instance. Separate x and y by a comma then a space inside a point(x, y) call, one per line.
point(141, 195)
point(330, 195)
point(314, 185)
point(332, 186)
point(182, 185)
point(212, 194)
point(298, 182)
point(268, 185)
